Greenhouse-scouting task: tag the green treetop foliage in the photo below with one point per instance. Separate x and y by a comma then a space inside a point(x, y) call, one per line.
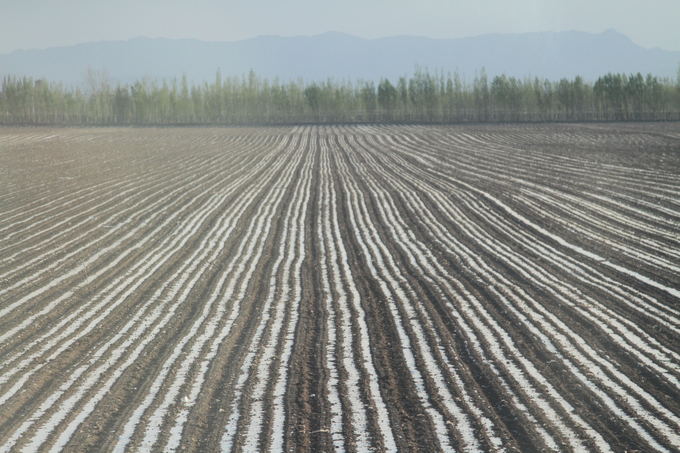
point(424, 97)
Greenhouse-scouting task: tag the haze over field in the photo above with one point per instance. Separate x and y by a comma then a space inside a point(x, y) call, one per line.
point(652, 23)
point(350, 39)
point(342, 56)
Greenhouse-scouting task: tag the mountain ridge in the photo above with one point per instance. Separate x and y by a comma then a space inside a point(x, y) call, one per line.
point(339, 55)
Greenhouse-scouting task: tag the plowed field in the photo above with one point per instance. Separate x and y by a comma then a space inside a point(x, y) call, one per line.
point(354, 288)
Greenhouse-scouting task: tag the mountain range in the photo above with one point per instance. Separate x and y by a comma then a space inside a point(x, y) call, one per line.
point(339, 56)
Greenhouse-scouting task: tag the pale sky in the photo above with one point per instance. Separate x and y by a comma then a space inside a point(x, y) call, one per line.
point(28, 24)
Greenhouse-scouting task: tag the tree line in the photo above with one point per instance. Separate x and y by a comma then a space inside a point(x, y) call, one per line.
point(424, 97)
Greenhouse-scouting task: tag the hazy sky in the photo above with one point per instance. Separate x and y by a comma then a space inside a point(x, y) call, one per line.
point(26, 24)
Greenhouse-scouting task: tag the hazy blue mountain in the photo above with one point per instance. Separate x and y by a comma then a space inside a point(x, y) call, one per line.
point(340, 56)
